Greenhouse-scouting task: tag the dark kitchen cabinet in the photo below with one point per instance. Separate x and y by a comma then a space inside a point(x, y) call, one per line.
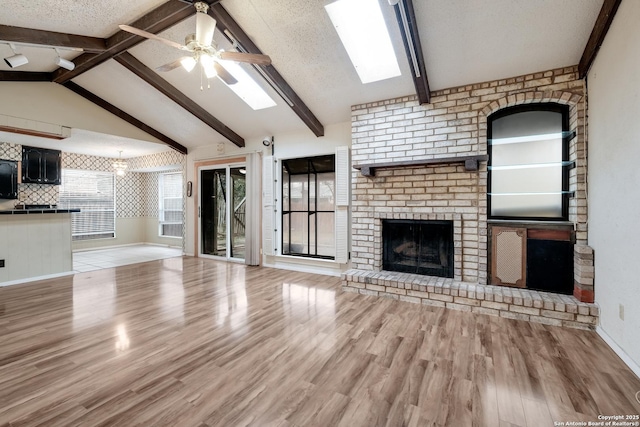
point(8, 179)
point(41, 165)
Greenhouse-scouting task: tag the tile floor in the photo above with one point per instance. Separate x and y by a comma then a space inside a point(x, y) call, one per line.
point(114, 257)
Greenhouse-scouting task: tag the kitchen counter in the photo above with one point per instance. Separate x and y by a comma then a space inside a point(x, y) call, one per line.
point(35, 245)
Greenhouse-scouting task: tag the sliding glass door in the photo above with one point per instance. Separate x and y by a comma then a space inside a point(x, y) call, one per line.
point(222, 211)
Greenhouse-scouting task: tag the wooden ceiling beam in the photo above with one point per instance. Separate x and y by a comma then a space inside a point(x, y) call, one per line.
point(160, 84)
point(599, 32)
point(406, 16)
point(25, 76)
point(51, 38)
point(159, 19)
point(227, 24)
point(124, 116)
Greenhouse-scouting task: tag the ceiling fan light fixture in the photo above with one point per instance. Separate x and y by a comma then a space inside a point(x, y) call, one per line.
point(207, 63)
point(188, 63)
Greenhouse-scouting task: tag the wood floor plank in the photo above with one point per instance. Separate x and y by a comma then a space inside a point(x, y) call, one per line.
point(202, 343)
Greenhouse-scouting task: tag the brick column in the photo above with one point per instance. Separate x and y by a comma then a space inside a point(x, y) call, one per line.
point(583, 273)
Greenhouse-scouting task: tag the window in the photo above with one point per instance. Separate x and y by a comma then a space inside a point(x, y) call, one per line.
point(363, 32)
point(308, 207)
point(170, 204)
point(247, 89)
point(529, 162)
point(94, 194)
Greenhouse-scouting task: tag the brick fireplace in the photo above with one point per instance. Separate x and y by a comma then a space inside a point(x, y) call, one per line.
point(428, 163)
point(418, 246)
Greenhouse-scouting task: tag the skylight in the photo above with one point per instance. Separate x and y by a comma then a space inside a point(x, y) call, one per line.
point(247, 88)
point(364, 34)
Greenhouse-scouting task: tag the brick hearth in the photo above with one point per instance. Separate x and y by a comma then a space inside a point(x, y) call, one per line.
point(512, 303)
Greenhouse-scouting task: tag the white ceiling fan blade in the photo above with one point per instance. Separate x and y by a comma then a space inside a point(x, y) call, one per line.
point(205, 26)
point(151, 36)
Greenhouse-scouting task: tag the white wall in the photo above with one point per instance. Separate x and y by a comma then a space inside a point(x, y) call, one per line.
point(129, 231)
point(299, 144)
point(35, 245)
point(614, 177)
point(54, 103)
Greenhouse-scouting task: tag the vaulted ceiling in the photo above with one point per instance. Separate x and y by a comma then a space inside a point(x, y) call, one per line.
point(462, 42)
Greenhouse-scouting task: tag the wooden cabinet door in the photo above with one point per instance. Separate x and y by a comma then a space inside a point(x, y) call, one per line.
point(31, 165)
point(8, 179)
point(51, 160)
point(508, 256)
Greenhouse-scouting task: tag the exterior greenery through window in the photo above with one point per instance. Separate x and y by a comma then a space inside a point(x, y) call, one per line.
point(529, 162)
point(308, 207)
point(170, 204)
point(92, 192)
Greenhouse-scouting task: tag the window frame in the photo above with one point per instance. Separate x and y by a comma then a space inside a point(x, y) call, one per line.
point(309, 212)
point(161, 210)
point(104, 234)
point(550, 107)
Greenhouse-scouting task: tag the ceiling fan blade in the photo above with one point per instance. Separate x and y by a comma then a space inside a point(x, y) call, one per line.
point(171, 65)
point(252, 58)
point(224, 75)
point(151, 36)
point(205, 26)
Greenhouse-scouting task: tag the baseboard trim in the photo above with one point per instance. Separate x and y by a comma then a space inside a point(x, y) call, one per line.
point(310, 266)
point(37, 278)
point(619, 351)
point(124, 245)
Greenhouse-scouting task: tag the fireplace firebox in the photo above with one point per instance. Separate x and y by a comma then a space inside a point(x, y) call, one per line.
point(417, 246)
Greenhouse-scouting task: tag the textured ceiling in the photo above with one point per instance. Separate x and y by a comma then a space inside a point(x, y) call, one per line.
point(84, 17)
point(475, 41)
point(464, 41)
point(305, 48)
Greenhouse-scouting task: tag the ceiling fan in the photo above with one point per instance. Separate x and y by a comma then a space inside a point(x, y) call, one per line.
point(202, 48)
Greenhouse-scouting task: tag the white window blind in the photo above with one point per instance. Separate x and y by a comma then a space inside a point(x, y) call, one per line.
point(170, 207)
point(92, 192)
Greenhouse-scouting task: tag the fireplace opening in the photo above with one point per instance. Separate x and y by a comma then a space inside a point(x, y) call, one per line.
point(419, 247)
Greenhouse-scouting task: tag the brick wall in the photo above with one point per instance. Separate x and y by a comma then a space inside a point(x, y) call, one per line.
point(454, 124)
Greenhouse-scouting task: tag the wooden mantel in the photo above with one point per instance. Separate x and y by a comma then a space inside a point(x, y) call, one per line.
point(470, 163)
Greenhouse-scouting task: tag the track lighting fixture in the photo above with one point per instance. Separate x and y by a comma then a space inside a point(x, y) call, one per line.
point(17, 59)
point(64, 63)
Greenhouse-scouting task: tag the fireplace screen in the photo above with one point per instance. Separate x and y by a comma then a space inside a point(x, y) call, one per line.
point(419, 247)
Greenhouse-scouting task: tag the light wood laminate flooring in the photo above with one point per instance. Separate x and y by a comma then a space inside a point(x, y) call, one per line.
point(193, 342)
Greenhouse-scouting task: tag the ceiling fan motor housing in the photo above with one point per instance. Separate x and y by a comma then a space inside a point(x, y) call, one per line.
point(201, 6)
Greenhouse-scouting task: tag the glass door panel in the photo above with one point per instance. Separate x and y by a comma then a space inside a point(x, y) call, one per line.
point(223, 212)
point(238, 213)
point(213, 212)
